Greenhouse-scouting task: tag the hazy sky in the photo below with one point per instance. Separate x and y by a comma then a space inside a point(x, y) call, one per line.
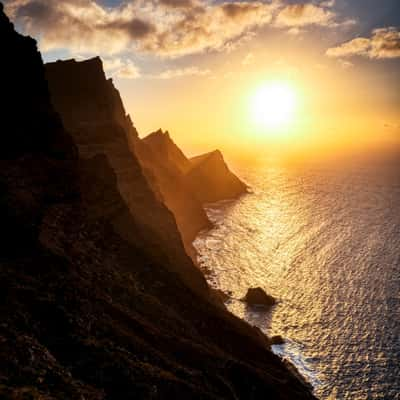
point(193, 66)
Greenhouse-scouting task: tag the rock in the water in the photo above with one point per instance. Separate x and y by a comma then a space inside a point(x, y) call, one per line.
point(258, 297)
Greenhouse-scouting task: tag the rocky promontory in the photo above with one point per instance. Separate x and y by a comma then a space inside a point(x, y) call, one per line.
point(211, 180)
point(192, 182)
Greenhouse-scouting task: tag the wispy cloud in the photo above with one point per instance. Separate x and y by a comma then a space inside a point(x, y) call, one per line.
point(300, 15)
point(119, 68)
point(181, 72)
point(124, 68)
point(382, 44)
point(345, 64)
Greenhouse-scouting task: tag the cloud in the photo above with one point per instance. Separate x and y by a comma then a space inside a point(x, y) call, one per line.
point(384, 43)
point(124, 68)
point(209, 27)
point(81, 26)
point(328, 3)
point(180, 72)
point(391, 125)
point(302, 14)
point(164, 28)
point(177, 3)
point(169, 28)
point(116, 67)
point(358, 46)
point(345, 64)
point(295, 31)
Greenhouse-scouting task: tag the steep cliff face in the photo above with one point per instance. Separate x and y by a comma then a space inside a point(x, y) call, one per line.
point(83, 312)
point(211, 180)
point(29, 128)
point(159, 155)
point(92, 111)
point(165, 148)
point(186, 184)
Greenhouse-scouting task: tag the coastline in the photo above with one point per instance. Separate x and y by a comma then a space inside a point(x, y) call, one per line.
point(220, 208)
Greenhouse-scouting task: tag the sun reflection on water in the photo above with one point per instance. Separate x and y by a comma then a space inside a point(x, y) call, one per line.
point(313, 239)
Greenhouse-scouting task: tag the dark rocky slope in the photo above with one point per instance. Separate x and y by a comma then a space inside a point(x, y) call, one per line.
point(84, 312)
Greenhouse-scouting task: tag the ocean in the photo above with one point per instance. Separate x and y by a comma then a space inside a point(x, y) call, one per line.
point(324, 239)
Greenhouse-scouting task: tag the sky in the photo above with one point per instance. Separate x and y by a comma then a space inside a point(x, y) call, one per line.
point(195, 67)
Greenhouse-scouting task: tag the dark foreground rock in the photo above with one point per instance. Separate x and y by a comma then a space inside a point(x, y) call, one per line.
point(87, 312)
point(258, 297)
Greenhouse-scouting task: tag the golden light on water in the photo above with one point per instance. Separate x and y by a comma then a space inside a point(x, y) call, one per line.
point(273, 106)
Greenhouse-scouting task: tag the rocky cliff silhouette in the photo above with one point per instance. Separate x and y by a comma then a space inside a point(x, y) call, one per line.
point(211, 180)
point(166, 165)
point(87, 310)
point(93, 118)
point(206, 178)
point(92, 111)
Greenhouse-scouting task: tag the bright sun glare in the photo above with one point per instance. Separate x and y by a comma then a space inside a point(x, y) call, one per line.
point(273, 105)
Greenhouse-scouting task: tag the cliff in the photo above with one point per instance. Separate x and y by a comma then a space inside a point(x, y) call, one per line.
point(84, 312)
point(164, 164)
point(165, 148)
point(211, 180)
point(187, 184)
point(92, 111)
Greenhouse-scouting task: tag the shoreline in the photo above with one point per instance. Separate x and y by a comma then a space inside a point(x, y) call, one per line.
point(209, 272)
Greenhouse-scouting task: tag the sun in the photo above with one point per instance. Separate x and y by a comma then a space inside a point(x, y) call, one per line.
point(273, 105)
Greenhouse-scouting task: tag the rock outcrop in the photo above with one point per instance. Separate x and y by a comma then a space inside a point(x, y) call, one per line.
point(211, 180)
point(84, 312)
point(258, 297)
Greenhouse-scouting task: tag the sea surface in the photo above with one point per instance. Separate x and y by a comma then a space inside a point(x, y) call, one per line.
point(324, 239)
